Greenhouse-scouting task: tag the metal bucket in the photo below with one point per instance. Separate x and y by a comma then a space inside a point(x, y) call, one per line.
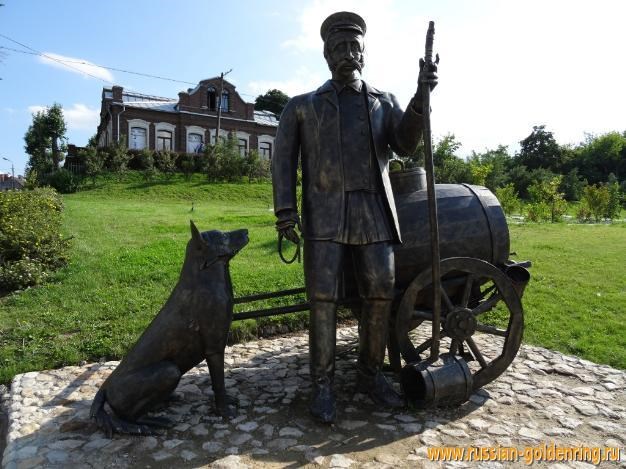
point(446, 382)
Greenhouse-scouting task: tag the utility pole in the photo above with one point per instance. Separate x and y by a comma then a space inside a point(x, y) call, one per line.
point(219, 105)
point(12, 172)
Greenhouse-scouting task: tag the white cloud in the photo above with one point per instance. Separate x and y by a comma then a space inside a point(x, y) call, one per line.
point(36, 109)
point(82, 117)
point(78, 117)
point(80, 66)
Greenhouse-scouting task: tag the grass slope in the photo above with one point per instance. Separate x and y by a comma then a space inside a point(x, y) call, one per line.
point(128, 243)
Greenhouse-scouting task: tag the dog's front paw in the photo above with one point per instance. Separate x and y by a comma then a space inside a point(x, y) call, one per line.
point(227, 412)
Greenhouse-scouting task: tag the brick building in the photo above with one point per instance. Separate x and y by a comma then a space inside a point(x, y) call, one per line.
point(186, 124)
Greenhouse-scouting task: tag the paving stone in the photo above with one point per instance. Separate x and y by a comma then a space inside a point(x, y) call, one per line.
point(576, 403)
point(229, 462)
point(339, 460)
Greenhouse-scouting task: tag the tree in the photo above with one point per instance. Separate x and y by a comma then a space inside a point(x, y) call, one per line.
point(274, 101)
point(449, 168)
point(540, 150)
point(546, 194)
point(45, 140)
point(601, 155)
point(498, 161)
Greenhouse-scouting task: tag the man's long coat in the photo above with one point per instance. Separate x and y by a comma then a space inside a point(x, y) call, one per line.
point(309, 128)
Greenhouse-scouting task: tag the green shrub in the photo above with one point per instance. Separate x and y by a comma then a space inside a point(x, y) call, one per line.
point(614, 206)
point(165, 161)
point(31, 244)
point(63, 181)
point(145, 159)
point(538, 211)
point(18, 275)
point(583, 213)
point(508, 198)
point(546, 192)
point(93, 162)
point(596, 198)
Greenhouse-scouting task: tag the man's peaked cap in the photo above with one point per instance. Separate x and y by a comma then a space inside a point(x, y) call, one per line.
point(342, 21)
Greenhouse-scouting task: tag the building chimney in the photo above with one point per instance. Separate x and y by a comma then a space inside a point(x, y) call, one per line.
point(117, 93)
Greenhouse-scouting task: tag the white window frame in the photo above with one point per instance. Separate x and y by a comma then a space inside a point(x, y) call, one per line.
point(169, 128)
point(141, 124)
point(244, 136)
point(194, 129)
point(265, 139)
point(223, 133)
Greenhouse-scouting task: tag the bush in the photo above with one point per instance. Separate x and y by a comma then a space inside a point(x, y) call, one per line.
point(583, 214)
point(145, 160)
point(93, 162)
point(614, 205)
point(546, 192)
point(596, 198)
point(508, 198)
point(538, 211)
point(118, 156)
point(31, 244)
point(63, 181)
point(165, 161)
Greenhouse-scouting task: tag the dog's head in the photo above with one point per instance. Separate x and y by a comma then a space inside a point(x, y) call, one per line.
point(214, 246)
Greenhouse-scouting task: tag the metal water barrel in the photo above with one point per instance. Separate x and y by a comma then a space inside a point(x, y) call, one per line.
point(471, 224)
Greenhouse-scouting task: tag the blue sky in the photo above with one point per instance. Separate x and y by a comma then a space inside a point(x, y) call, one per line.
point(505, 65)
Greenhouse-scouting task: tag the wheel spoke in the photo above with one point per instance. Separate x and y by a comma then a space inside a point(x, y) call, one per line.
point(491, 330)
point(454, 346)
point(477, 355)
point(487, 304)
point(424, 346)
point(467, 290)
point(446, 299)
point(419, 314)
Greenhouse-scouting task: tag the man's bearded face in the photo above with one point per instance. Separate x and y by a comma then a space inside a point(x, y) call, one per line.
point(343, 51)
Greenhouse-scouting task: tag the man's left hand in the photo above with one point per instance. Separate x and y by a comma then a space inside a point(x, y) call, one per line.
point(427, 75)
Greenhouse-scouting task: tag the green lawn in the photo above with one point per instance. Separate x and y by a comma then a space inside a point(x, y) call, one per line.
point(128, 246)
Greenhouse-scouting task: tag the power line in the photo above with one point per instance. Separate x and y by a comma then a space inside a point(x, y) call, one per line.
point(65, 62)
point(56, 60)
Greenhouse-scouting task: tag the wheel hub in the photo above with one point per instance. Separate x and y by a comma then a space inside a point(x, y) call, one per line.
point(460, 324)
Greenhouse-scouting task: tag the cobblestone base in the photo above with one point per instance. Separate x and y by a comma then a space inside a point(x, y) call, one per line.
point(544, 397)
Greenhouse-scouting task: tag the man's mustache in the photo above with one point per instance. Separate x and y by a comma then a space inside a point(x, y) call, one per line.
point(354, 64)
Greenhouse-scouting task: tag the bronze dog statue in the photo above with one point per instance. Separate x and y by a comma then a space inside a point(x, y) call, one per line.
point(192, 325)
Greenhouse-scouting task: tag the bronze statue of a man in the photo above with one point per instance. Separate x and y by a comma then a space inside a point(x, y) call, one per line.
point(344, 133)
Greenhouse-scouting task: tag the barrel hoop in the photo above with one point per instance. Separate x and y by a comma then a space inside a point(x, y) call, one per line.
point(484, 207)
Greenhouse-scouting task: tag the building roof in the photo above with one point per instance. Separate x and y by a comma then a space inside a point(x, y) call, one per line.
point(266, 118)
point(165, 106)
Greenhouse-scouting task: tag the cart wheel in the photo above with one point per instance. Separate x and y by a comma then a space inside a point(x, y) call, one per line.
point(471, 288)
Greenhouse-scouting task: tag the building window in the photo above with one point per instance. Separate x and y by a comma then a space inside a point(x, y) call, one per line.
point(225, 101)
point(265, 150)
point(194, 143)
point(164, 140)
point(211, 99)
point(138, 139)
point(242, 143)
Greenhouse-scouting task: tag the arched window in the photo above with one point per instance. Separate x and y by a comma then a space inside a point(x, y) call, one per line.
point(194, 143)
point(138, 140)
point(225, 101)
point(242, 143)
point(211, 99)
point(164, 140)
point(265, 150)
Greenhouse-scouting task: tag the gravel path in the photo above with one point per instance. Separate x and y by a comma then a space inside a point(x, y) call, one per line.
point(544, 397)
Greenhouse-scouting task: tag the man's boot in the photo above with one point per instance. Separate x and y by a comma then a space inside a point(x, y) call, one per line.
point(322, 330)
point(373, 330)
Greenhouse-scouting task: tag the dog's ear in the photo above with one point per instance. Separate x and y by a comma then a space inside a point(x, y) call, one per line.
point(195, 234)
